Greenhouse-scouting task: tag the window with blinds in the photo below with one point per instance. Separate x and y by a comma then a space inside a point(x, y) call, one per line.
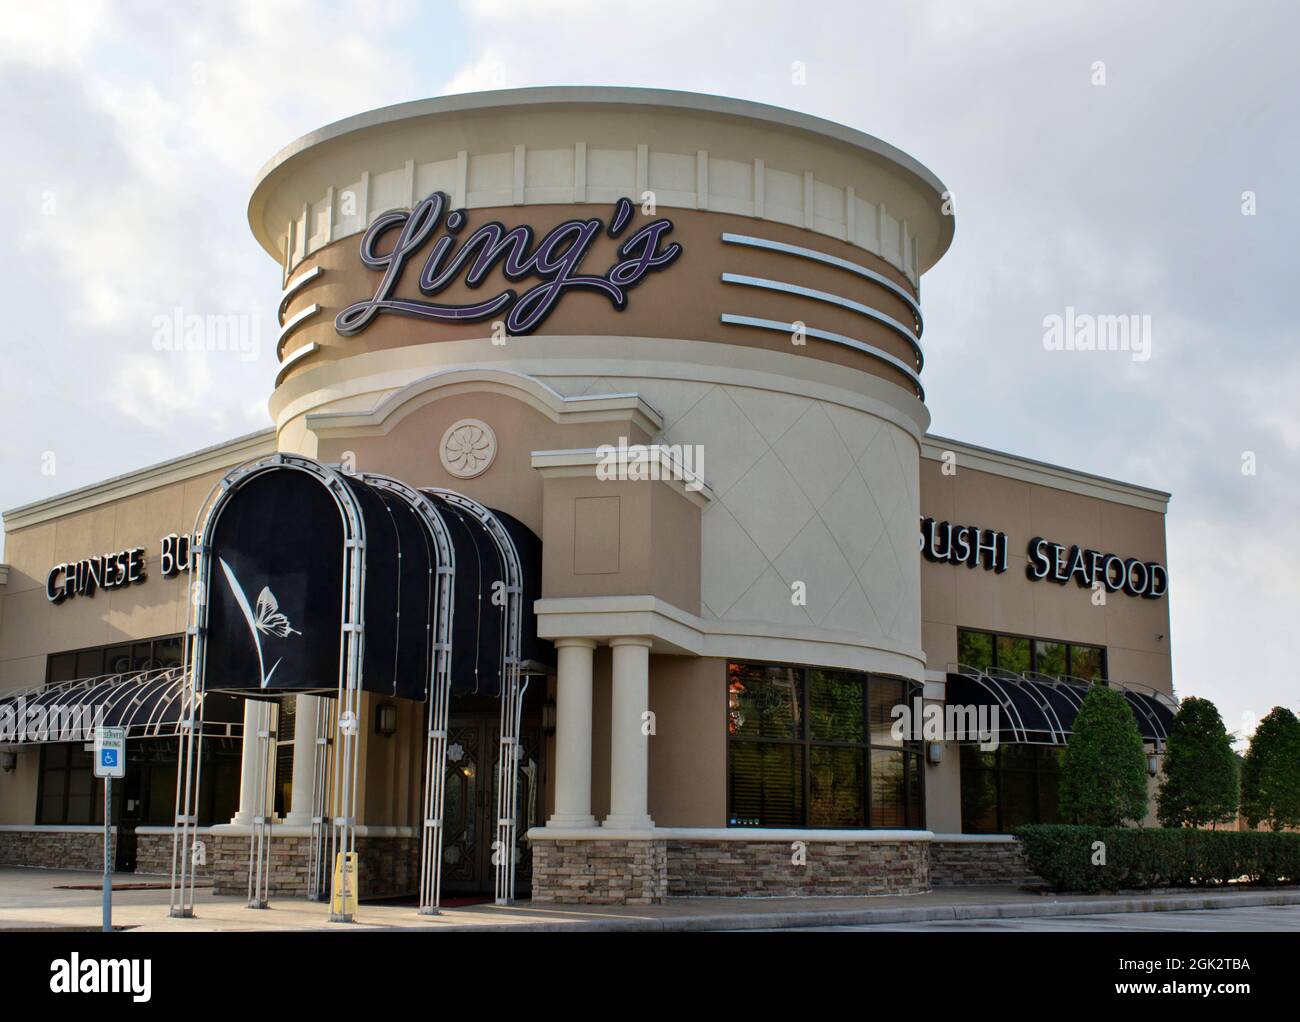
point(1009, 786)
point(813, 747)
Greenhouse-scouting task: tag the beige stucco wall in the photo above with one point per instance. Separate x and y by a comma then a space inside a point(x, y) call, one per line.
point(392, 767)
point(18, 788)
point(409, 451)
point(1135, 631)
point(31, 627)
point(688, 752)
point(607, 538)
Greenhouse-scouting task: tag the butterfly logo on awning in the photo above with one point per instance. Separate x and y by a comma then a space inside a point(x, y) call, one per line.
point(267, 620)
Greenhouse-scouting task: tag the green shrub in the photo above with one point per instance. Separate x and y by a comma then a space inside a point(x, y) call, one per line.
point(1200, 771)
point(1104, 769)
point(1270, 772)
point(1139, 858)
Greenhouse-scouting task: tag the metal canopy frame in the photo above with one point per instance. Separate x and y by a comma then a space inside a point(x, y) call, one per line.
point(438, 689)
point(335, 781)
point(148, 704)
point(514, 685)
point(1005, 686)
point(345, 762)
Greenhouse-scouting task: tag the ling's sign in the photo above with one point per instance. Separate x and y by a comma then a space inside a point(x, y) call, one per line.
point(555, 262)
point(116, 570)
point(976, 547)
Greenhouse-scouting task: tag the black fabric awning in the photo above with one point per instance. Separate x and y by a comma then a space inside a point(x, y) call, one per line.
point(1036, 709)
point(298, 557)
point(149, 704)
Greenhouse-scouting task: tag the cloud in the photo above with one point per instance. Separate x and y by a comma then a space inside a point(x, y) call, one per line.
point(140, 130)
point(52, 33)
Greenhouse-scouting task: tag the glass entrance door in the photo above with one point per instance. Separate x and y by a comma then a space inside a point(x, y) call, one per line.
point(469, 810)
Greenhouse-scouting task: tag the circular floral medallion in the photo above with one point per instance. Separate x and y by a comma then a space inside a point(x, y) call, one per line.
point(467, 448)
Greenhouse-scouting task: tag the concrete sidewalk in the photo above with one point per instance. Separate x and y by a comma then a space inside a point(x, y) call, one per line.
point(39, 899)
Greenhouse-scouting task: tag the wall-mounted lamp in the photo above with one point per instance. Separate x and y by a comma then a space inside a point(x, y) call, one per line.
point(8, 760)
point(548, 716)
point(386, 720)
point(933, 753)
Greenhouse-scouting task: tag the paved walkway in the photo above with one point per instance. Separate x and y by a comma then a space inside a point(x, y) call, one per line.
point(40, 899)
point(1269, 919)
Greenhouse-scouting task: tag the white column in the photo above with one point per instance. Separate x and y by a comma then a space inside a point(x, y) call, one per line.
point(302, 802)
point(629, 747)
point(573, 734)
point(258, 716)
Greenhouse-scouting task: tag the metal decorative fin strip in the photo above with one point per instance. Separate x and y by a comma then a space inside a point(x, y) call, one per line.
point(834, 338)
point(830, 260)
point(831, 299)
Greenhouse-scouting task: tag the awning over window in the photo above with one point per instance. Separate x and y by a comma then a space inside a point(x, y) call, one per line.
point(149, 704)
point(1037, 709)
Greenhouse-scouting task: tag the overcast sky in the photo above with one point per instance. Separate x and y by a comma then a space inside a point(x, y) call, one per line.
point(132, 132)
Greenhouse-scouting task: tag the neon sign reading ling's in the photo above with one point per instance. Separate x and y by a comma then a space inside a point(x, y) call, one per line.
point(555, 261)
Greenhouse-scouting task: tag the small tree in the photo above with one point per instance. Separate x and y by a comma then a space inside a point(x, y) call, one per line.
point(1200, 784)
point(1104, 771)
point(1270, 772)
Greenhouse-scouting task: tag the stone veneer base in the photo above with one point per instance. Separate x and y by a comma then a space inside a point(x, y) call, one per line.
point(388, 865)
point(594, 869)
point(54, 847)
point(604, 872)
point(153, 854)
point(969, 861)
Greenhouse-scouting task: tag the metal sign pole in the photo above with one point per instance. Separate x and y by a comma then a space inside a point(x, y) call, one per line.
point(108, 853)
point(110, 762)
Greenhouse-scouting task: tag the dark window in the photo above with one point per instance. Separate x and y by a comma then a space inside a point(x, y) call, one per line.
point(975, 649)
point(169, 652)
point(90, 662)
point(1014, 654)
point(1009, 786)
point(838, 787)
point(1049, 658)
point(1088, 662)
point(146, 655)
point(812, 747)
point(1018, 654)
point(835, 706)
point(284, 754)
point(69, 791)
point(765, 702)
point(765, 784)
point(62, 667)
point(117, 660)
point(888, 788)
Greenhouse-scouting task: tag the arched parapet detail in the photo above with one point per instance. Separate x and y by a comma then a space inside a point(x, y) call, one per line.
point(394, 406)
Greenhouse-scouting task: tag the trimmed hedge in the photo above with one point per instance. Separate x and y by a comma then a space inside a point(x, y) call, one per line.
point(1139, 858)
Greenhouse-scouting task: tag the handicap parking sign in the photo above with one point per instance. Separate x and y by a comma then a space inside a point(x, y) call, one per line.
point(110, 752)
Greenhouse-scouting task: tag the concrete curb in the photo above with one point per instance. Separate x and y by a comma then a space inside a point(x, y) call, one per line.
point(1046, 907)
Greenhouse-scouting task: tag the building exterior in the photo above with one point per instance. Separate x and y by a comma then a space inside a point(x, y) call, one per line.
point(707, 406)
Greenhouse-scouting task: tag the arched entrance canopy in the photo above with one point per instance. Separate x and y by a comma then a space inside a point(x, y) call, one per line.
point(312, 580)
